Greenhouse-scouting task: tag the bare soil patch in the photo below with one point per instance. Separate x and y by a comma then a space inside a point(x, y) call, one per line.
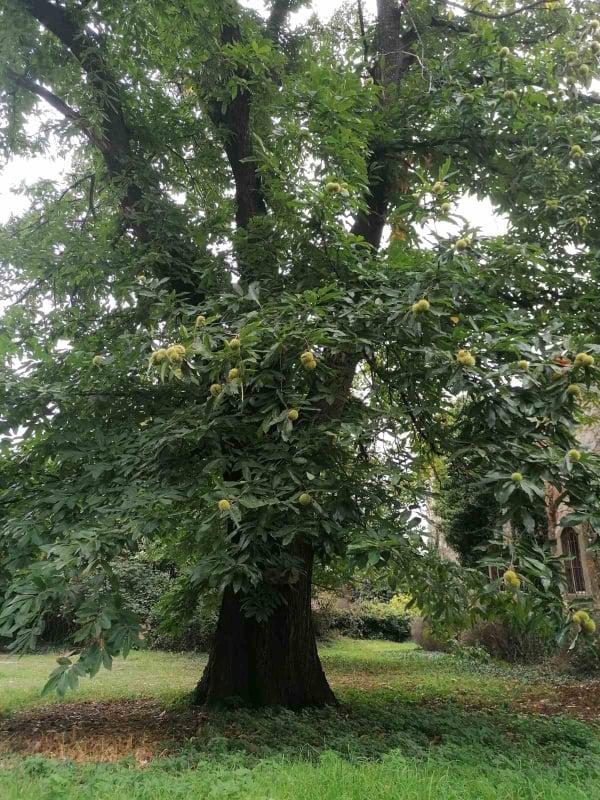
point(99, 731)
point(578, 700)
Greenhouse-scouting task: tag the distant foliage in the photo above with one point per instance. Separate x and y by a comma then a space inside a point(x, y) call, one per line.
point(584, 660)
point(423, 634)
point(362, 620)
point(149, 589)
point(468, 515)
point(510, 643)
point(520, 615)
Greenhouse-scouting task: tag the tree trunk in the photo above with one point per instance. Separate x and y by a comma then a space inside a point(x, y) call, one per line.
point(269, 663)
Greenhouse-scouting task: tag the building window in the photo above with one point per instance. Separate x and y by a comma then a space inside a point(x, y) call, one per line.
point(574, 565)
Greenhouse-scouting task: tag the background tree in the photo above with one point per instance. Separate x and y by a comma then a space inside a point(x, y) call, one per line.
point(470, 515)
point(209, 344)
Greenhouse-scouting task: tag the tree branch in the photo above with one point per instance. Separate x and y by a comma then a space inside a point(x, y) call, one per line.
point(450, 25)
point(389, 38)
point(504, 15)
point(279, 11)
point(85, 47)
point(234, 125)
point(143, 205)
point(53, 17)
point(52, 99)
point(88, 177)
point(56, 102)
point(363, 32)
point(591, 99)
point(395, 59)
point(91, 206)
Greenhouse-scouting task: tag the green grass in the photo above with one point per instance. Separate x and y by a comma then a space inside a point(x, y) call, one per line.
point(416, 676)
point(143, 674)
point(412, 726)
point(332, 778)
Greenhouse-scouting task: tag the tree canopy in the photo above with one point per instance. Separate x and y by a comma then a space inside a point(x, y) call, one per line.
point(239, 333)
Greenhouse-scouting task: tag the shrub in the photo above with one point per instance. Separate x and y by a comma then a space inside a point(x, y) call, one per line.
point(142, 584)
point(153, 593)
point(518, 615)
point(472, 653)
point(580, 654)
point(383, 621)
point(363, 620)
point(194, 635)
point(181, 619)
point(422, 634)
point(502, 640)
point(147, 588)
point(325, 614)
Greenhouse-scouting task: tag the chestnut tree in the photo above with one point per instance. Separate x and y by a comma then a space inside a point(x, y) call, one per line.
point(251, 318)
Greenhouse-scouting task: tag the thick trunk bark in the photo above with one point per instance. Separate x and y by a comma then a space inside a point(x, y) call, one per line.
point(271, 663)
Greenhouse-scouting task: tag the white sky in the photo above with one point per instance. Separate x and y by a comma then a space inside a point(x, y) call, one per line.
point(20, 171)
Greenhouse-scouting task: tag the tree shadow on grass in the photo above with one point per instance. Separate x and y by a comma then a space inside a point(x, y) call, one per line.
point(368, 726)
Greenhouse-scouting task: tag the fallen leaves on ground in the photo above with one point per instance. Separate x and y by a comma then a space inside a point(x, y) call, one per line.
point(99, 731)
point(578, 700)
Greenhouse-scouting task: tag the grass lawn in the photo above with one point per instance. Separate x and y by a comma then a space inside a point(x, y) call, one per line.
point(412, 725)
